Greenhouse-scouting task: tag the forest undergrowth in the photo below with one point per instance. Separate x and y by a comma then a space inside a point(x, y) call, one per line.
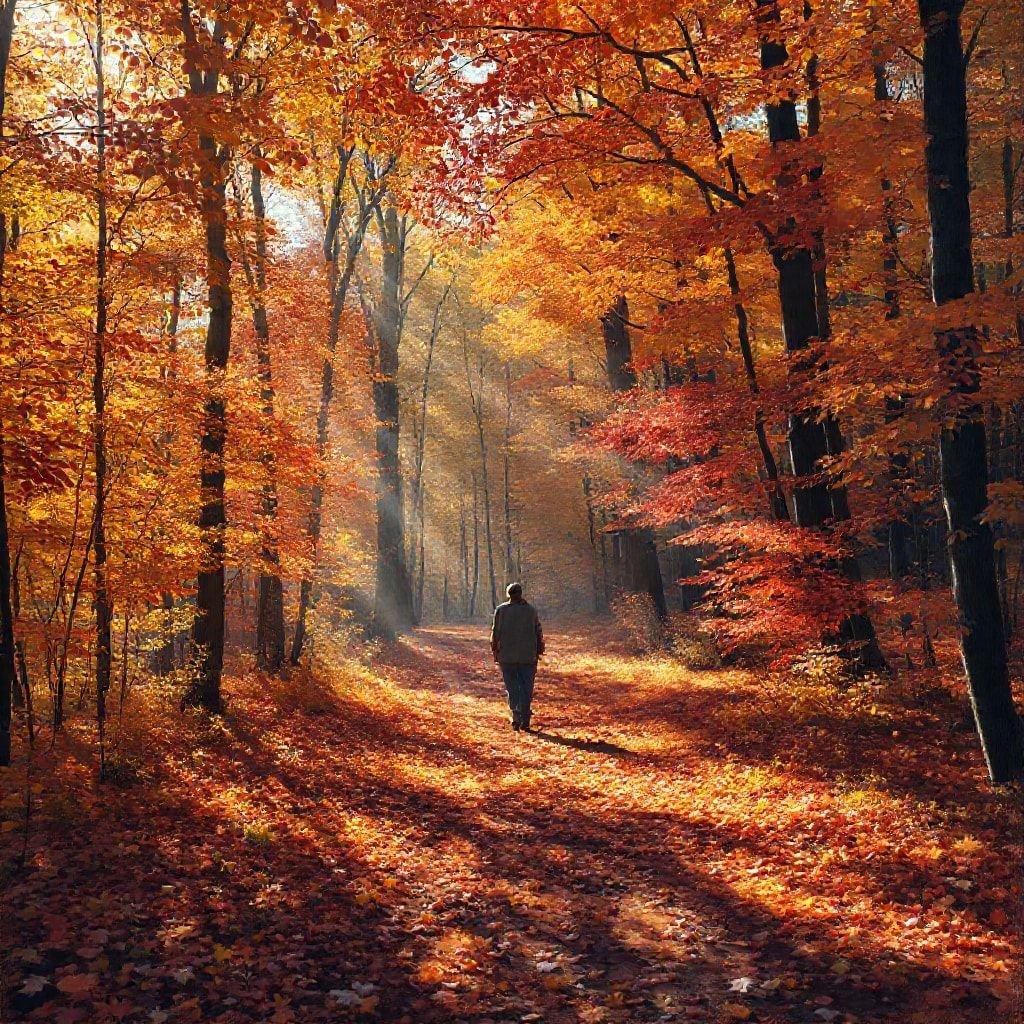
point(671, 844)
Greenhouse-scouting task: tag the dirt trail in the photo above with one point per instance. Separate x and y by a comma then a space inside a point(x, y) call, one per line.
point(388, 849)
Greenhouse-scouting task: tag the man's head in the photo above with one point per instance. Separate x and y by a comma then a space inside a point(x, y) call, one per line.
point(514, 591)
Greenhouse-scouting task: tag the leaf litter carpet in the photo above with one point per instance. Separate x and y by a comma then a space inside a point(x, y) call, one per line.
point(670, 845)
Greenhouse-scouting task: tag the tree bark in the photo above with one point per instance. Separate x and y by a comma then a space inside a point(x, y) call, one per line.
point(340, 282)
point(776, 496)
point(899, 533)
point(510, 562)
point(8, 676)
point(102, 602)
point(464, 557)
point(804, 303)
point(164, 658)
point(270, 604)
point(962, 444)
point(476, 399)
point(418, 546)
point(641, 570)
point(209, 622)
point(475, 583)
point(393, 603)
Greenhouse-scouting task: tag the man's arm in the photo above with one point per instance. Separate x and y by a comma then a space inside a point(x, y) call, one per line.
point(495, 634)
point(540, 636)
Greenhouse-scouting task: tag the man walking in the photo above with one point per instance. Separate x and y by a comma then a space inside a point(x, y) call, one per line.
point(517, 641)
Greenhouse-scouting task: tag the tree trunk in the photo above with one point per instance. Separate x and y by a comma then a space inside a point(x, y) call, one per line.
point(488, 528)
point(476, 401)
point(270, 605)
point(8, 678)
point(102, 602)
point(776, 496)
point(804, 302)
point(164, 657)
point(641, 570)
point(340, 282)
point(510, 561)
point(417, 547)
point(393, 603)
point(962, 446)
point(208, 625)
point(476, 548)
point(464, 558)
point(899, 533)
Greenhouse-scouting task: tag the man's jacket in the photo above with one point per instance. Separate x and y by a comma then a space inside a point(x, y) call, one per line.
point(516, 636)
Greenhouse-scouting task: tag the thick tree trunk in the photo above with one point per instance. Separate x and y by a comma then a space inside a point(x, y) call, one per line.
point(209, 622)
point(208, 626)
point(393, 602)
point(270, 605)
point(618, 347)
point(641, 570)
point(962, 446)
point(804, 303)
point(8, 677)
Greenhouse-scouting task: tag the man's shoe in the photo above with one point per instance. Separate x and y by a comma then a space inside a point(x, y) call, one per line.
point(516, 726)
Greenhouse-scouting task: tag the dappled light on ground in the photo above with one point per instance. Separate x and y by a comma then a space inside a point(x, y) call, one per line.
point(668, 845)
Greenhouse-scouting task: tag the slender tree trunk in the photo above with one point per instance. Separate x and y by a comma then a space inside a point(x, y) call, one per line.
point(899, 533)
point(270, 605)
point(464, 557)
point(510, 561)
point(164, 660)
point(776, 495)
point(340, 281)
point(488, 528)
point(421, 563)
point(8, 678)
point(641, 570)
point(476, 548)
point(962, 446)
point(417, 547)
point(476, 398)
point(804, 303)
point(103, 603)
point(393, 602)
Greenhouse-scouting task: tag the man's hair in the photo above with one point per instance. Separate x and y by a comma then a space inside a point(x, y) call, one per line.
point(514, 590)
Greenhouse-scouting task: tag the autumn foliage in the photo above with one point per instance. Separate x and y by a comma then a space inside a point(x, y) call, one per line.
point(320, 322)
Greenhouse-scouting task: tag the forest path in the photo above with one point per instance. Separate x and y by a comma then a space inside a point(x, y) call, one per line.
point(668, 846)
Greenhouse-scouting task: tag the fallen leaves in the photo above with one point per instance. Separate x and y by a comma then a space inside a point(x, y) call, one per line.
point(77, 984)
point(410, 877)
